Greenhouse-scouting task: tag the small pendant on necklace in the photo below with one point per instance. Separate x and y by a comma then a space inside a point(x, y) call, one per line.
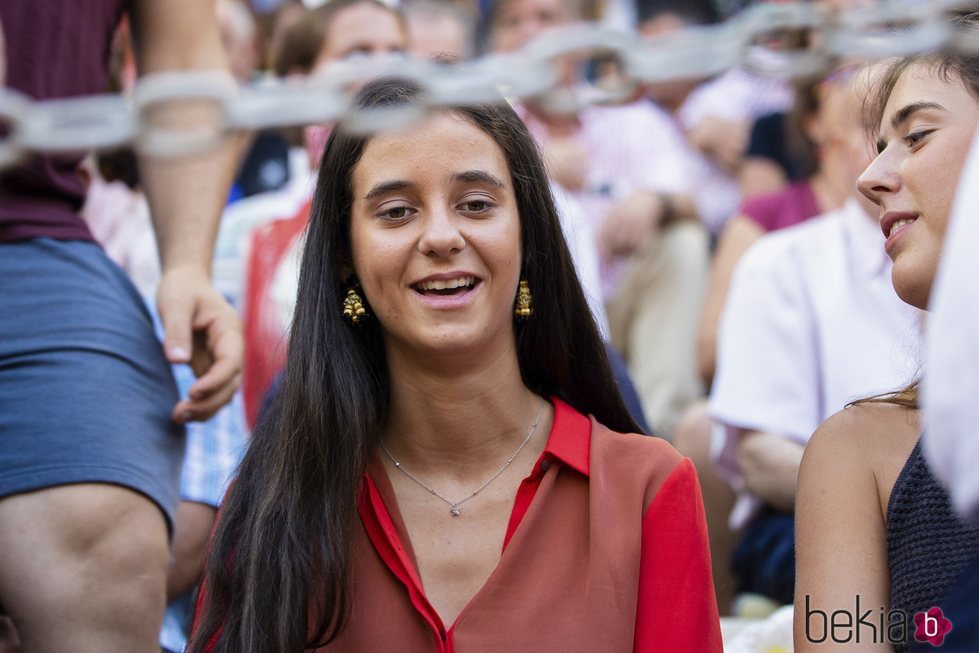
point(454, 510)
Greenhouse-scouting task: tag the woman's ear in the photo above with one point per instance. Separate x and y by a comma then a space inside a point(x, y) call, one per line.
point(346, 265)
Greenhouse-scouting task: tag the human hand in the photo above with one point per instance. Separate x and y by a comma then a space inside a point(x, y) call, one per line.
point(201, 329)
point(567, 163)
point(769, 465)
point(630, 225)
point(722, 141)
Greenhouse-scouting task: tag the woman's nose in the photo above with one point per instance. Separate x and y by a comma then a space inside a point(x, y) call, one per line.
point(441, 236)
point(879, 179)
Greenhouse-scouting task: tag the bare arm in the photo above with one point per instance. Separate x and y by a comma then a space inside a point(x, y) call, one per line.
point(738, 235)
point(769, 465)
point(186, 198)
point(191, 533)
point(634, 221)
point(723, 141)
point(841, 550)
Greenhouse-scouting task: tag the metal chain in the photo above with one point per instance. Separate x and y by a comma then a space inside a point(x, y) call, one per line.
point(895, 27)
point(454, 506)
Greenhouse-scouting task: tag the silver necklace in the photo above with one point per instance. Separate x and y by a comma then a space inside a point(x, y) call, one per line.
point(454, 505)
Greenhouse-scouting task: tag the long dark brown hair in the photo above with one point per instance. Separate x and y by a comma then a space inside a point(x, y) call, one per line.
point(276, 579)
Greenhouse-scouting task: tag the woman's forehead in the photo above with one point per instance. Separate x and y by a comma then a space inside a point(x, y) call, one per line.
point(924, 78)
point(442, 144)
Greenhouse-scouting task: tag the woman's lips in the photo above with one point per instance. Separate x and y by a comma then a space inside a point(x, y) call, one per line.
point(458, 299)
point(893, 224)
point(895, 236)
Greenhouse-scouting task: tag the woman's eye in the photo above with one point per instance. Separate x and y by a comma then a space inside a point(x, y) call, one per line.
point(396, 213)
point(914, 138)
point(476, 206)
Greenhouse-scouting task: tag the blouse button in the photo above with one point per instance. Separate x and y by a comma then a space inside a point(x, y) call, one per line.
point(545, 465)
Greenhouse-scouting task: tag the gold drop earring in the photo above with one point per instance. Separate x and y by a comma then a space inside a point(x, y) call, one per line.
point(524, 306)
point(353, 306)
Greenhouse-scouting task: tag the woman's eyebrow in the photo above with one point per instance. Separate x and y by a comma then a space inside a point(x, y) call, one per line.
point(387, 187)
point(479, 177)
point(901, 116)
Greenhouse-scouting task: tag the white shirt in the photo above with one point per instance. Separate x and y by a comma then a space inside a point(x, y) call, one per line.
point(737, 95)
point(812, 322)
point(950, 391)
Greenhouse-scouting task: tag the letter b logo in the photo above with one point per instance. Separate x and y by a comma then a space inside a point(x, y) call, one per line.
point(931, 626)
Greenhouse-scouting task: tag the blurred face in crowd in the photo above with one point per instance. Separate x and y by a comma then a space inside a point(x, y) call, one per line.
point(286, 16)
point(925, 135)
point(238, 38)
point(434, 35)
point(841, 121)
point(518, 21)
point(669, 94)
point(435, 237)
point(362, 30)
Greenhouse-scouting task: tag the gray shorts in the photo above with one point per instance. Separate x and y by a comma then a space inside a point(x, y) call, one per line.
point(85, 390)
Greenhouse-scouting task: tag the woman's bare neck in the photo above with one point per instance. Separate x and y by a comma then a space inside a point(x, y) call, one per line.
point(458, 419)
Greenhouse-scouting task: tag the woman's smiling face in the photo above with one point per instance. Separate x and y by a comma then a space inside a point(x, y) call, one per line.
point(925, 135)
point(435, 237)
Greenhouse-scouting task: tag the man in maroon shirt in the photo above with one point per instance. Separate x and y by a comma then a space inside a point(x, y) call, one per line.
point(8, 637)
point(90, 442)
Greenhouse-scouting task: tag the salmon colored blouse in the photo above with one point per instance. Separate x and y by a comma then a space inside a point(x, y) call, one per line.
point(606, 550)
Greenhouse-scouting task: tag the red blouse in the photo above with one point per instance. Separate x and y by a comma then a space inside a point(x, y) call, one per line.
point(606, 550)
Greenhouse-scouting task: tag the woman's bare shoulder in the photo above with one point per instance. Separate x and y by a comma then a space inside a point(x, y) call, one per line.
point(866, 428)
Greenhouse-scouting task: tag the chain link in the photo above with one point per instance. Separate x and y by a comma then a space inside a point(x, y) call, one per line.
point(895, 28)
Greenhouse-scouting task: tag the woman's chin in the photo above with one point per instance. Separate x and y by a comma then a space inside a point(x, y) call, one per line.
point(911, 287)
point(455, 342)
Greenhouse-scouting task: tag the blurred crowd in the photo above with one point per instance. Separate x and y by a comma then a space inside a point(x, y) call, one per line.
point(738, 274)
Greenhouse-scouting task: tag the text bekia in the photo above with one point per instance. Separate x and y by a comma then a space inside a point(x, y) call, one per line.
point(844, 626)
point(874, 627)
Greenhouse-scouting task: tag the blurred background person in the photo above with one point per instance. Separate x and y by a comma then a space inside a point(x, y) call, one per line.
point(439, 29)
point(628, 168)
point(9, 641)
point(89, 471)
point(821, 115)
point(279, 22)
point(811, 322)
point(777, 153)
point(716, 113)
point(259, 243)
point(117, 213)
point(264, 164)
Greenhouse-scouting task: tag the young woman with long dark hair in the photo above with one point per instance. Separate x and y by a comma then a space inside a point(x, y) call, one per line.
point(429, 480)
point(875, 531)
